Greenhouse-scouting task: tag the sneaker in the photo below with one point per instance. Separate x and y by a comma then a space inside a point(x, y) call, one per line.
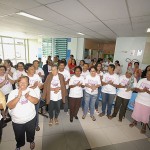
point(83, 117)
point(37, 128)
point(17, 149)
point(76, 117)
point(88, 112)
point(97, 112)
point(56, 121)
point(32, 145)
point(67, 113)
point(109, 117)
point(101, 114)
point(93, 118)
point(120, 120)
point(51, 122)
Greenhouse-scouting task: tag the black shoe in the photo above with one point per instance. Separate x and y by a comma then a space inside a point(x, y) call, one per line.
point(76, 117)
point(37, 128)
point(4, 124)
point(7, 120)
point(71, 119)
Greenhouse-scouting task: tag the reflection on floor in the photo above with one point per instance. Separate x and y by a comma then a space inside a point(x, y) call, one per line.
point(102, 134)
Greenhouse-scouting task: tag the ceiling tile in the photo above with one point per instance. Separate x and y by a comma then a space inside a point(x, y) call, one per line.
point(7, 10)
point(47, 1)
point(121, 27)
point(47, 14)
point(139, 7)
point(100, 28)
point(74, 10)
point(107, 9)
point(20, 4)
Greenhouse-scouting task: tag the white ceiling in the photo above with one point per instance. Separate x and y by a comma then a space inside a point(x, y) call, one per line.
point(97, 19)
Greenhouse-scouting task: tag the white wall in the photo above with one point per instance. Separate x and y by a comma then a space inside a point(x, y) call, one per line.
point(129, 47)
point(77, 48)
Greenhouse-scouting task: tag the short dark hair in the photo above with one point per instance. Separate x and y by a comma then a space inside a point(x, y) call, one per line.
point(27, 66)
point(98, 64)
point(112, 66)
point(136, 63)
point(83, 61)
point(9, 62)
point(61, 62)
point(77, 67)
point(2, 66)
point(93, 67)
point(86, 64)
point(35, 61)
point(19, 63)
point(71, 56)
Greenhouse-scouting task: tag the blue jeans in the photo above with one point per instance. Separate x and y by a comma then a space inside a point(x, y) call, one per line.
point(37, 114)
point(89, 103)
point(82, 100)
point(107, 99)
point(97, 100)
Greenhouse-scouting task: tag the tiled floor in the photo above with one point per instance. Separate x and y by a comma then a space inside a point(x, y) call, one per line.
point(103, 134)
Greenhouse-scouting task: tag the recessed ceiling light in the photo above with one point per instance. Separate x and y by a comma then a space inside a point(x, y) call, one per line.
point(148, 30)
point(80, 33)
point(29, 16)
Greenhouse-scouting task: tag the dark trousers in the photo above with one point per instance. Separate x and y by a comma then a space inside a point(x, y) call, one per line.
point(74, 106)
point(37, 112)
point(54, 106)
point(1, 123)
point(21, 129)
point(66, 104)
point(121, 104)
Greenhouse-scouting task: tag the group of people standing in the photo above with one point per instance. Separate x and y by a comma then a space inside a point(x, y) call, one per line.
point(65, 83)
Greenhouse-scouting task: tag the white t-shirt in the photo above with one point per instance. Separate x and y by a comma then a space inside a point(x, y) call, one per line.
point(39, 70)
point(7, 88)
point(122, 92)
point(92, 81)
point(49, 68)
point(18, 74)
point(32, 80)
point(54, 84)
point(66, 75)
point(109, 88)
point(66, 67)
point(24, 110)
point(100, 74)
point(84, 74)
point(143, 97)
point(77, 91)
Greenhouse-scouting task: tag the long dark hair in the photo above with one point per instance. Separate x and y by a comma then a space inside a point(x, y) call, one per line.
point(144, 72)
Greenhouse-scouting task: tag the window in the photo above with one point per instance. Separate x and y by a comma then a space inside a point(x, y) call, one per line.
point(13, 49)
point(53, 47)
point(61, 47)
point(47, 47)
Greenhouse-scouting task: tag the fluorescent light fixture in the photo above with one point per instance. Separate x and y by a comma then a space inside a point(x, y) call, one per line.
point(148, 30)
point(29, 16)
point(80, 33)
